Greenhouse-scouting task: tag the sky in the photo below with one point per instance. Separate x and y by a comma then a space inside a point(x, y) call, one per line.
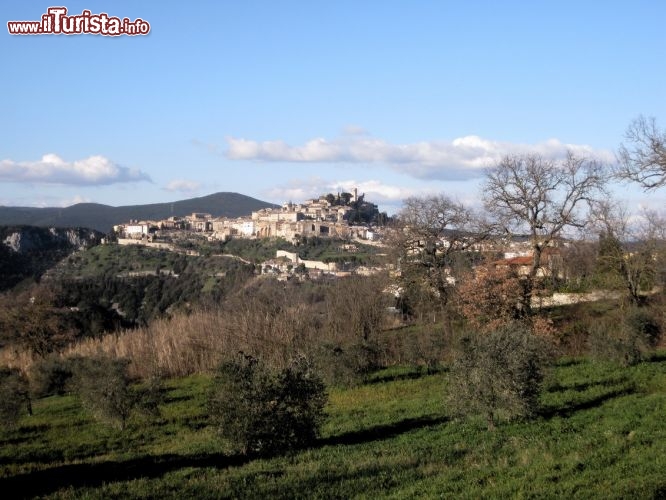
point(287, 100)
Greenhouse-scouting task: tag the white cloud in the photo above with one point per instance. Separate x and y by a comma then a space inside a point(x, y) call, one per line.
point(298, 191)
point(374, 190)
point(462, 158)
point(183, 186)
point(377, 191)
point(51, 169)
point(43, 201)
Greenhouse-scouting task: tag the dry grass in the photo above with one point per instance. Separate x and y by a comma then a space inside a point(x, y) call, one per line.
point(178, 346)
point(198, 341)
point(15, 358)
point(191, 343)
point(265, 322)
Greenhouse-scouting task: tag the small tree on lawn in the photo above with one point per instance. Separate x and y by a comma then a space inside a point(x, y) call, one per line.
point(14, 395)
point(264, 413)
point(103, 385)
point(498, 374)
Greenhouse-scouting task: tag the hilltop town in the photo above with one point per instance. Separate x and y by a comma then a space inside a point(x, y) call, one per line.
point(344, 216)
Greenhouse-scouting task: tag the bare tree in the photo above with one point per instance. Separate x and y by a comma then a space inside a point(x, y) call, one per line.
point(644, 159)
point(579, 260)
point(527, 193)
point(434, 233)
point(633, 250)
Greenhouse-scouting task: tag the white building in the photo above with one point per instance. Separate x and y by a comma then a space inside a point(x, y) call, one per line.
point(136, 230)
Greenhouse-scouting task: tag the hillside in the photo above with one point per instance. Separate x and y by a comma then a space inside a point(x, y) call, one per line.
point(103, 217)
point(27, 251)
point(600, 434)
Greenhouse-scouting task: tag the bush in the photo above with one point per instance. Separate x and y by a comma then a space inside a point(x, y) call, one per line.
point(14, 396)
point(265, 413)
point(51, 376)
point(625, 341)
point(645, 327)
point(499, 373)
point(347, 365)
point(300, 404)
point(424, 346)
point(104, 388)
point(150, 396)
point(491, 298)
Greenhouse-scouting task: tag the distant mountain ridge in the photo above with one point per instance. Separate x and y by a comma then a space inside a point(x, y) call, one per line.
point(103, 217)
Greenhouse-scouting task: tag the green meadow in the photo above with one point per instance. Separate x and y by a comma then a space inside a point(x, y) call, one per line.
point(601, 433)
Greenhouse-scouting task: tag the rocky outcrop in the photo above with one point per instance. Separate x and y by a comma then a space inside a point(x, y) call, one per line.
point(24, 239)
point(28, 251)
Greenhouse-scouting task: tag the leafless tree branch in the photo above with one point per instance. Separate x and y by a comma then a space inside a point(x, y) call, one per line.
point(527, 193)
point(643, 159)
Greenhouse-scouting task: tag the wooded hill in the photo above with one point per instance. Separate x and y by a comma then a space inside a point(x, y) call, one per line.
point(103, 217)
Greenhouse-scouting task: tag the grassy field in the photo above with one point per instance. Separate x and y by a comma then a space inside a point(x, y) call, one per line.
point(601, 433)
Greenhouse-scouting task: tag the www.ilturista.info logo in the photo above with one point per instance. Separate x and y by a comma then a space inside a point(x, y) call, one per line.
point(57, 22)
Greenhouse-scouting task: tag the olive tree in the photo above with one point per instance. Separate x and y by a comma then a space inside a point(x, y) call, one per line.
point(499, 374)
point(266, 412)
point(542, 197)
point(104, 387)
point(14, 395)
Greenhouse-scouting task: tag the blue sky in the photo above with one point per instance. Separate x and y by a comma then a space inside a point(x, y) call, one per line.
point(288, 100)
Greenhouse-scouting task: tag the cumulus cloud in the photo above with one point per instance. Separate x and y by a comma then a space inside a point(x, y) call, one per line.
point(461, 158)
point(183, 186)
point(52, 169)
point(375, 191)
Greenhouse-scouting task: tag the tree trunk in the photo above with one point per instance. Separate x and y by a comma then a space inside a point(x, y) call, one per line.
point(531, 279)
point(490, 421)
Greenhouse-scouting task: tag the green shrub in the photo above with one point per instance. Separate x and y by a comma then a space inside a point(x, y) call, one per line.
point(627, 341)
point(264, 413)
point(499, 374)
point(150, 396)
point(104, 388)
point(347, 364)
point(51, 376)
point(14, 396)
point(301, 397)
point(644, 326)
